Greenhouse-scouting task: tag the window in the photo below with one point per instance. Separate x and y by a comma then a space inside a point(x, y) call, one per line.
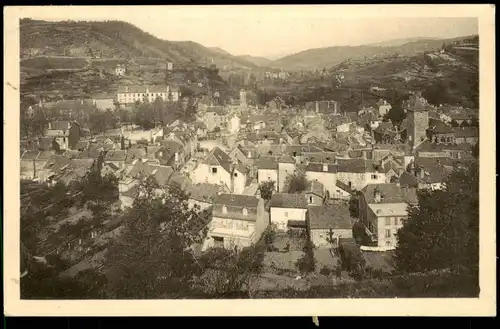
point(245, 212)
point(387, 221)
point(214, 170)
point(286, 213)
point(396, 221)
point(388, 233)
point(350, 184)
point(310, 199)
point(388, 243)
point(224, 209)
point(235, 174)
point(374, 176)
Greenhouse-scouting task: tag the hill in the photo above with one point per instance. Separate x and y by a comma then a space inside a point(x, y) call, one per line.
point(259, 61)
point(327, 57)
point(113, 39)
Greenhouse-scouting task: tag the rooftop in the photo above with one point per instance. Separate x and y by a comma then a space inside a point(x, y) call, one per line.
point(390, 193)
point(288, 200)
point(330, 216)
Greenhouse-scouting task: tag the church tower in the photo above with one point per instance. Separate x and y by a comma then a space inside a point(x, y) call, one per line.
point(418, 119)
point(243, 98)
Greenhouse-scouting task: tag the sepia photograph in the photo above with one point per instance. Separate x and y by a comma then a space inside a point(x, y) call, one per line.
point(250, 154)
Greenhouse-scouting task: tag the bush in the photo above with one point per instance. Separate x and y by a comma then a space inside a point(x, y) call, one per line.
point(325, 270)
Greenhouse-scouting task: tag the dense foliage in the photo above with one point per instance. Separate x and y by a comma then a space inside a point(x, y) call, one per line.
point(296, 183)
point(443, 231)
point(267, 189)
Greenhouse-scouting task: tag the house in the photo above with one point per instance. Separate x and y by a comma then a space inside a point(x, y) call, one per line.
point(288, 211)
point(216, 168)
point(343, 191)
point(383, 211)
point(171, 153)
point(59, 130)
point(132, 94)
point(325, 174)
point(327, 107)
point(203, 194)
point(357, 173)
point(213, 117)
point(427, 175)
point(329, 224)
point(454, 151)
point(315, 194)
point(116, 157)
point(242, 154)
point(469, 135)
point(286, 167)
point(75, 170)
point(120, 70)
point(267, 170)
point(238, 221)
point(439, 132)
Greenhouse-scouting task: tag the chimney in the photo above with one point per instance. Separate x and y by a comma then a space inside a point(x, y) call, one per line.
point(146, 150)
point(422, 173)
point(126, 89)
point(50, 125)
point(325, 167)
point(81, 102)
point(249, 154)
point(34, 168)
point(317, 106)
point(377, 195)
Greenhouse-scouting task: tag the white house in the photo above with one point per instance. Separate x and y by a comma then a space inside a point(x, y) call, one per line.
point(288, 211)
point(324, 173)
point(267, 170)
point(234, 124)
point(216, 168)
point(238, 221)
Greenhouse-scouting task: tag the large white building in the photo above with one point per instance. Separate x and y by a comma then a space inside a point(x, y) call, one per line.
point(132, 94)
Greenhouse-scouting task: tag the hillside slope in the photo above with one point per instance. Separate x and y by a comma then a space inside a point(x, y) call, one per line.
point(259, 61)
point(327, 57)
point(113, 39)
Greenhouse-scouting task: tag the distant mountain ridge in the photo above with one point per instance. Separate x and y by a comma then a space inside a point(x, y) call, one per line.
point(327, 57)
point(114, 39)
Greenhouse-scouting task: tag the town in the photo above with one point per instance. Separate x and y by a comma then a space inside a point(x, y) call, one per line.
point(201, 186)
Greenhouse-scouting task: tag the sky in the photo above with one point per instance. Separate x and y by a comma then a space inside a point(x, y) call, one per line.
point(275, 31)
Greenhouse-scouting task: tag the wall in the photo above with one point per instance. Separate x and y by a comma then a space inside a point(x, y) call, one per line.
point(119, 164)
point(319, 236)
point(418, 122)
point(230, 241)
point(314, 200)
point(358, 180)
point(203, 174)
point(329, 180)
point(463, 140)
point(281, 216)
point(284, 169)
point(388, 223)
point(239, 182)
point(265, 175)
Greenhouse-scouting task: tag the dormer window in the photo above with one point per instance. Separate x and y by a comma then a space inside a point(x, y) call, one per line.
point(224, 209)
point(245, 212)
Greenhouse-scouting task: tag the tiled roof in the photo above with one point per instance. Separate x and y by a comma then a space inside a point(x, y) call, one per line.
point(439, 127)
point(142, 89)
point(288, 200)
point(181, 180)
point(319, 167)
point(30, 155)
point(115, 155)
point(238, 200)
point(355, 165)
point(391, 193)
point(329, 216)
point(217, 157)
point(60, 125)
point(417, 103)
point(343, 186)
point(162, 174)
point(466, 132)
point(315, 187)
point(434, 174)
point(204, 192)
point(267, 163)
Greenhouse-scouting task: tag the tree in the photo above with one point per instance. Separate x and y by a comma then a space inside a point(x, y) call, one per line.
point(443, 231)
point(99, 188)
point(153, 257)
point(296, 183)
point(354, 204)
point(229, 271)
point(307, 263)
point(267, 189)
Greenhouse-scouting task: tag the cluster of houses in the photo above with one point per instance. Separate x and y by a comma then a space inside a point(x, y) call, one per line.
point(339, 154)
